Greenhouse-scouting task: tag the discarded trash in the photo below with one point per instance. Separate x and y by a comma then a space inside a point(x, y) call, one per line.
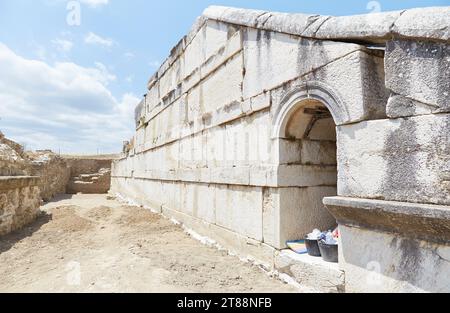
point(328, 238)
point(315, 235)
point(336, 233)
point(297, 246)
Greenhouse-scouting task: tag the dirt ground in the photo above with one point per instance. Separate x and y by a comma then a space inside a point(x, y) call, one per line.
point(86, 243)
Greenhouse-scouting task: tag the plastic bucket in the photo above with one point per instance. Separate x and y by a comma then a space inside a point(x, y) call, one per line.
point(329, 252)
point(313, 247)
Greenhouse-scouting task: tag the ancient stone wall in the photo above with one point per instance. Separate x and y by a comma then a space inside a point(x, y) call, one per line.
point(53, 171)
point(89, 175)
point(19, 202)
point(207, 125)
point(239, 132)
point(12, 162)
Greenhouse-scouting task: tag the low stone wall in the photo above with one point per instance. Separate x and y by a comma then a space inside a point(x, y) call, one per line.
point(89, 165)
point(53, 171)
point(19, 202)
point(12, 162)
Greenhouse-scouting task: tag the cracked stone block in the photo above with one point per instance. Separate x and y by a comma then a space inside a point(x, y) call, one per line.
point(418, 73)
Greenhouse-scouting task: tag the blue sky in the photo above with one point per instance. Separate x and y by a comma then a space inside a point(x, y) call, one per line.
point(73, 88)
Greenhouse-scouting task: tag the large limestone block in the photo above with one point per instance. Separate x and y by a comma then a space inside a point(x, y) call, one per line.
point(122, 167)
point(221, 88)
point(192, 152)
point(287, 151)
point(383, 262)
point(208, 41)
point(311, 271)
point(292, 213)
point(358, 80)
point(165, 127)
point(318, 152)
point(351, 87)
point(224, 86)
point(374, 27)
point(232, 46)
point(233, 15)
point(272, 58)
point(153, 99)
point(399, 160)
point(239, 209)
point(306, 175)
point(432, 23)
point(171, 79)
point(369, 27)
point(418, 73)
point(198, 200)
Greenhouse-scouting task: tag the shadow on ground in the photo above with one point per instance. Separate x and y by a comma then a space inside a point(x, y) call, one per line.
point(8, 241)
point(61, 197)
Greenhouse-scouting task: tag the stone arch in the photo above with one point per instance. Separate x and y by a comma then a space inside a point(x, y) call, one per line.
point(313, 90)
point(304, 133)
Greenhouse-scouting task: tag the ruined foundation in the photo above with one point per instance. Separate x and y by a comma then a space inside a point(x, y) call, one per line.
point(29, 178)
point(19, 202)
point(256, 117)
point(89, 175)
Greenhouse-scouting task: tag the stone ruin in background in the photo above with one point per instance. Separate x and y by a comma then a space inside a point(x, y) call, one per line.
point(28, 178)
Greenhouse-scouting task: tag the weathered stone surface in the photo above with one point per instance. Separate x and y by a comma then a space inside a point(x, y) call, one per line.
point(234, 15)
point(401, 106)
point(53, 171)
point(383, 262)
point(397, 160)
point(430, 23)
point(240, 209)
point(89, 175)
point(19, 202)
point(239, 137)
point(420, 72)
point(343, 86)
point(311, 272)
point(368, 27)
point(12, 160)
point(98, 183)
point(374, 27)
point(418, 221)
point(271, 58)
point(292, 213)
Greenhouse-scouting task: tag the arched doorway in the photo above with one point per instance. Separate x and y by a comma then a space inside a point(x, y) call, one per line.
point(306, 136)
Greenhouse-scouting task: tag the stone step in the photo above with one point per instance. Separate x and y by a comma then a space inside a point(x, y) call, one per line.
point(90, 183)
point(311, 271)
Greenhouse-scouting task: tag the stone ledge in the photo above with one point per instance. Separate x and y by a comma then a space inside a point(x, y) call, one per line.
point(311, 271)
point(425, 23)
point(285, 176)
point(417, 221)
point(13, 182)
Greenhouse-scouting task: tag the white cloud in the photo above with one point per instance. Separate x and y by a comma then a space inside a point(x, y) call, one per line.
point(95, 39)
point(62, 106)
point(95, 3)
point(63, 45)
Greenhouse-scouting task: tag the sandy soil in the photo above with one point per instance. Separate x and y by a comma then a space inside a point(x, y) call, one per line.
point(86, 243)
